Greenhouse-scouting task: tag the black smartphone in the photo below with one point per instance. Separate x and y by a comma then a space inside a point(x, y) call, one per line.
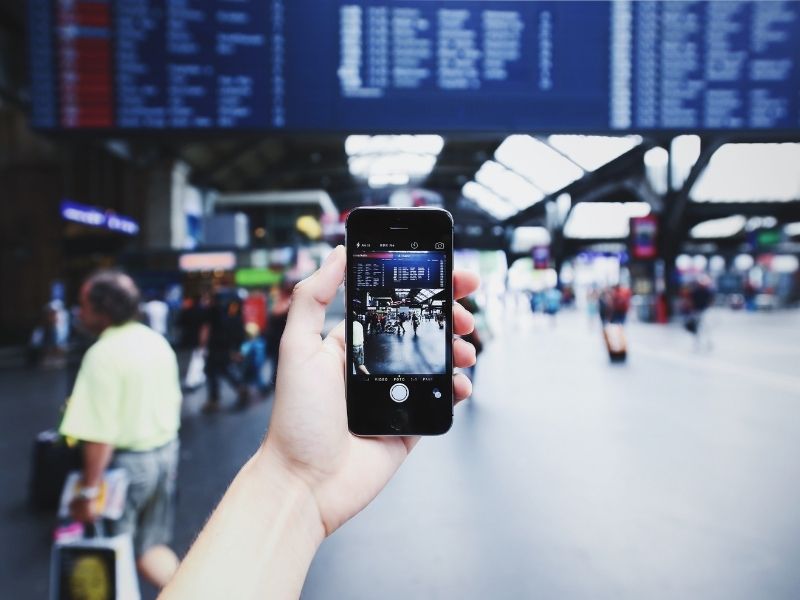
point(399, 296)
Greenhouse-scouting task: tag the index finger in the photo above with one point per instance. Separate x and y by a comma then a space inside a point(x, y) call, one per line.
point(464, 283)
point(310, 299)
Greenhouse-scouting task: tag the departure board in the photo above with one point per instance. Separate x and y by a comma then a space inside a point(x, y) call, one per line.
point(414, 65)
point(399, 269)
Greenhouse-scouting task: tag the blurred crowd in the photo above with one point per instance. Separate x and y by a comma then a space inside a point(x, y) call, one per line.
point(231, 335)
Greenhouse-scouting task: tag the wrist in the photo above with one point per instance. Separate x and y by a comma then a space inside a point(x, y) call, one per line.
point(87, 492)
point(267, 473)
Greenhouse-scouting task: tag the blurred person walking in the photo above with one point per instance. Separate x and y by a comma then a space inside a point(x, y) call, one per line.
point(157, 313)
point(552, 303)
point(223, 335)
point(614, 304)
point(700, 296)
point(620, 304)
point(358, 346)
point(42, 343)
point(254, 358)
point(191, 319)
point(125, 408)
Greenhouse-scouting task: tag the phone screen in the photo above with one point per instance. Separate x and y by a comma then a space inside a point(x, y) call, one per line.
point(399, 308)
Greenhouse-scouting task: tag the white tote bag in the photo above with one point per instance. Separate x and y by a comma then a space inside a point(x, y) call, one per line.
point(196, 373)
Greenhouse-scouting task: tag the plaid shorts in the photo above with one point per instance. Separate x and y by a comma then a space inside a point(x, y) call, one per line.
point(149, 513)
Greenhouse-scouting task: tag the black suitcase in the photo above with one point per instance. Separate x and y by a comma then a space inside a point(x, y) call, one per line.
point(51, 462)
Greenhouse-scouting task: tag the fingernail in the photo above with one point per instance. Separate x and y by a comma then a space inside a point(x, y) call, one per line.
point(329, 259)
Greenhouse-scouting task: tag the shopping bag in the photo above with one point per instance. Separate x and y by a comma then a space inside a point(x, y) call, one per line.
point(110, 503)
point(101, 568)
point(196, 372)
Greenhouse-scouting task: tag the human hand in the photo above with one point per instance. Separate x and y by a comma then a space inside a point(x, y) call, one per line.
point(83, 510)
point(308, 436)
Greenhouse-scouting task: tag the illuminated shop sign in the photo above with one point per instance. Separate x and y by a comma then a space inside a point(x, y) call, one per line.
point(97, 217)
point(207, 261)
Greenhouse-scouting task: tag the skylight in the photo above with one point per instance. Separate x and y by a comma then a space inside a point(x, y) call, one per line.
point(392, 144)
point(383, 160)
point(590, 152)
point(424, 295)
point(508, 184)
point(719, 228)
point(751, 173)
point(656, 167)
point(685, 152)
point(537, 162)
point(603, 220)
point(487, 200)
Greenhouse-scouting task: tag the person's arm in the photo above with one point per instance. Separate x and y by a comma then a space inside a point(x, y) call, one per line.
point(310, 474)
point(258, 543)
point(96, 458)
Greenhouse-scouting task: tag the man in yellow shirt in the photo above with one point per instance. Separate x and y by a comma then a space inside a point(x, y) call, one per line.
point(125, 408)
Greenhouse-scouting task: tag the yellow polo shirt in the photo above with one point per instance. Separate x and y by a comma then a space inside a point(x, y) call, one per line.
point(127, 393)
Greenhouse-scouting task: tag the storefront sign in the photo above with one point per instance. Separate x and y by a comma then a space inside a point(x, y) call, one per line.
point(255, 277)
point(207, 261)
point(96, 217)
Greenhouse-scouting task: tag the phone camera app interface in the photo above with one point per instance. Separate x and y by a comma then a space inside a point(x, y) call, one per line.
point(398, 313)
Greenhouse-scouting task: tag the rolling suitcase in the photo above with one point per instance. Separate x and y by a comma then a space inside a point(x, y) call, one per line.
point(614, 336)
point(52, 460)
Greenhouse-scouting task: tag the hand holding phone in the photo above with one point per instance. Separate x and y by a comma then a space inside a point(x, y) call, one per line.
point(310, 475)
point(308, 431)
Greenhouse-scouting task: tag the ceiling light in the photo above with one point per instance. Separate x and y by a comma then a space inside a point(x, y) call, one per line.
point(719, 228)
point(487, 200)
point(508, 184)
point(591, 152)
point(386, 179)
point(603, 220)
point(537, 162)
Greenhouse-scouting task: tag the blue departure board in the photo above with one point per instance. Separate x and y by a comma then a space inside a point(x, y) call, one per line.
point(414, 65)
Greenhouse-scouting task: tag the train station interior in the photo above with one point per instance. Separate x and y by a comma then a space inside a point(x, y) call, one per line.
point(623, 178)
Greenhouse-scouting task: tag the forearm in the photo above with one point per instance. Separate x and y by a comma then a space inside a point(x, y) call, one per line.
point(96, 458)
point(258, 543)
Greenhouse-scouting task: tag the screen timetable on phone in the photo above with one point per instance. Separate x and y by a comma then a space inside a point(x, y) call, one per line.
point(398, 313)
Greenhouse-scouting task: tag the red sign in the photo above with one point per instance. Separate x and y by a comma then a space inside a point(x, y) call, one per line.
point(644, 235)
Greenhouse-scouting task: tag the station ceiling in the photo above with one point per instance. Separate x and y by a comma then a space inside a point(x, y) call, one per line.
point(316, 162)
point(250, 163)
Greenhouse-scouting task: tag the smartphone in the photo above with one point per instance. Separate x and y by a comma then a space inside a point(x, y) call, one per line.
point(399, 297)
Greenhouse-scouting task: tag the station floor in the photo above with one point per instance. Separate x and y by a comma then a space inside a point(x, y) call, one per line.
point(423, 352)
point(675, 475)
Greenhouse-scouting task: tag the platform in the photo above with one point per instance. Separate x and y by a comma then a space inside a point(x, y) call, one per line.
point(675, 475)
